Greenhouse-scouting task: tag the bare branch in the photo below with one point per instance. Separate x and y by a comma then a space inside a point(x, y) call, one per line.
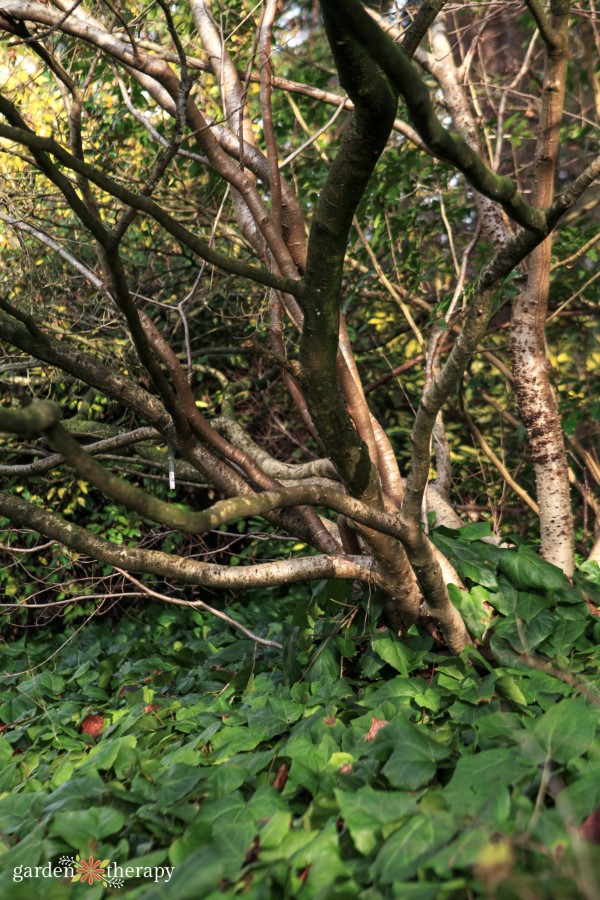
point(443, 143)
point(51, 462)
point(181, 569)
point(551, 37)
point(200, 604)
point(42, 146)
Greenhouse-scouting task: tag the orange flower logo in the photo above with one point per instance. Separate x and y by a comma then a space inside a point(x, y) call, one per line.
point(90, 870)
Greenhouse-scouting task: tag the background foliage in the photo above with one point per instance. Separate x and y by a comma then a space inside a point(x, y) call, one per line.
point(338, 761)
point(350, 765)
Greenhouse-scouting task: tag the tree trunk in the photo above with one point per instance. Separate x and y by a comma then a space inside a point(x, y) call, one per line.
point(537, 403)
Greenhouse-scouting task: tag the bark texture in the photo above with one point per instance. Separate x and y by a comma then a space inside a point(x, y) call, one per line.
point(531, 368)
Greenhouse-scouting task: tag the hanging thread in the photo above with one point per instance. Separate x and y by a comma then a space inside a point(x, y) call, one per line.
point(171, 468)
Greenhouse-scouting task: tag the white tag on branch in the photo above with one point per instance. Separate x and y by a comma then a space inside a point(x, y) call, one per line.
point(171, 468)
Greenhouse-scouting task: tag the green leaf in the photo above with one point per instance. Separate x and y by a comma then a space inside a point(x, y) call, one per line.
point(508, 687)
point(413, 762)
point(16, 708)
point(474, 560)
point(530, 605)
point(309, 767)
point(231, 740)
point(196, 876)
point(411, 845)
point(525, 636)
point(475, 531)
point(292, 647)
point(477, 771)
point(177, 782)
point(233, 828)
point(477, 572)
point(105, 754)
point(500, 728)
point(392, 651)
point(366, 811)
point(567, 632)
point(324, 663)
point(567, 729)
point(527, 570)
point(275, 717)
point(472, 607)
point(321, 858)
point(225, 779)
point(77, 793)
point(582, 796)
point(79, 827)
point(591, 570)
point(27, 852)
point(275, 830)
point(17, 810)
point(506, 600)
point(462, 853)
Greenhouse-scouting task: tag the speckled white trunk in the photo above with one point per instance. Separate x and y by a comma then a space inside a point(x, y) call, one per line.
point(539, 414)
point(537, 403)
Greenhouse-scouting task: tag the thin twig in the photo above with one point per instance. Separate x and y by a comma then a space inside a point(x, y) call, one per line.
point(311, 140)
point(200, 604)
point(575, 256)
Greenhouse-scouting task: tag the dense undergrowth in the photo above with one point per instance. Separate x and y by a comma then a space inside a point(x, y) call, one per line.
point(350, 765)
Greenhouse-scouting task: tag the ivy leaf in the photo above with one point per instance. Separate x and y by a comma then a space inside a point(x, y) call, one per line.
point(529, 606)
point(275, 830)
point(474, 607)
point(177, 782)
point(567, 729)
point(105, 755)
point(196, 876)
point(79, 827)
point(508, 686)
point(525, 636)
point(275, 717)
point(413, 762)
point(476, 771)
point(366, 811)
point(475, 531)
point(412, 844)
point(16, 811)
point(527, 570)
point(233, 828)
point(16, 708)
point(392, 651)
point(292, 646)
point(77, 792)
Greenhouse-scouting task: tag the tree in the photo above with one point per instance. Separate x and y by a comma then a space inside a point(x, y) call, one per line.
point(156, 134)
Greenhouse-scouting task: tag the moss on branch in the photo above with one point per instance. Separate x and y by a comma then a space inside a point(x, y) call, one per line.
point(30, 419)
point(364, 140)
point(444, 144)
point(43, 417)
point(181, 569)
